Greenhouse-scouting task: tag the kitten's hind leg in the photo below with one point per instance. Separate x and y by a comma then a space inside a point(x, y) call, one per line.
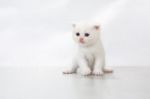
point(70, 70)
point(107, 70)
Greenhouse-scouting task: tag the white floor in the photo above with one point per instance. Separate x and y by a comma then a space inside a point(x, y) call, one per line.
point(50, 83)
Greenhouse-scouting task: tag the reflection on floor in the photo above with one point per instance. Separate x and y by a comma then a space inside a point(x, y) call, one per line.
point(50, 83)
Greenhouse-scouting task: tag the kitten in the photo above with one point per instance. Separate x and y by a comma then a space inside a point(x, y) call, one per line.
point(90, 57)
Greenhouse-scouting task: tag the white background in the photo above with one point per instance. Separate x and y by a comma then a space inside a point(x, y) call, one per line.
point(38, 32)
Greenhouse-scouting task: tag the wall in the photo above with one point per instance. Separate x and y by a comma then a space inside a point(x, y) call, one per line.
point(38, 33)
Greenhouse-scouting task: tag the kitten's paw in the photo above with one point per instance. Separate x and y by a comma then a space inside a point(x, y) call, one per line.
point(85, 72)
point(68, 71)
point(107, 70)
point(98, 73)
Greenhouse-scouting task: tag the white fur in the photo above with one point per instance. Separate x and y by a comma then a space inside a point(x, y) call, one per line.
point(90, 57)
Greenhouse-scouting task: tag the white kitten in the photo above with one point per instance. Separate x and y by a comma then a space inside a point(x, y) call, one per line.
point(90, 57)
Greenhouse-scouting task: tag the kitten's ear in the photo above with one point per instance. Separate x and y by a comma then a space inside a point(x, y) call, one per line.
point(97, 27)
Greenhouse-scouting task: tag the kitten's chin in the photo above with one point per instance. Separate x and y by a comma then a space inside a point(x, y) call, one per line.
point(85, 44)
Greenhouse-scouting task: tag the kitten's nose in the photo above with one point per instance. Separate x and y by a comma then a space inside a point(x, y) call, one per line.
point(81, 40)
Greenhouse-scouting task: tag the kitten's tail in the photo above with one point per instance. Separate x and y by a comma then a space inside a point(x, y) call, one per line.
point(107, 70)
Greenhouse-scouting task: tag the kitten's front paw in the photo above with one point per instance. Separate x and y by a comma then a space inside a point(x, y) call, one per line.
point(98, 73)
point(85, 72)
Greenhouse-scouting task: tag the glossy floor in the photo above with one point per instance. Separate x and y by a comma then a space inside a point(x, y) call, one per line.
point(49, 83)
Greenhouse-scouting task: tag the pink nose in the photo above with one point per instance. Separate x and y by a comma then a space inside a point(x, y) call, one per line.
point(81, 40)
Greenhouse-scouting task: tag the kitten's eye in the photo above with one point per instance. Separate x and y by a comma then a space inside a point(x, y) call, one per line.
point(86, 34)
point(78, 34)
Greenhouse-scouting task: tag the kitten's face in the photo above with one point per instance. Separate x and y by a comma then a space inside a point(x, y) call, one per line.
point(86, 35)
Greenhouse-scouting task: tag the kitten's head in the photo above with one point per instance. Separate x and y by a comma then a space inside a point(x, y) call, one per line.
point(85, 34)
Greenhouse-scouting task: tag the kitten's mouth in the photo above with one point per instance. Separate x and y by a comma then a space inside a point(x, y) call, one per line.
point(82, 42)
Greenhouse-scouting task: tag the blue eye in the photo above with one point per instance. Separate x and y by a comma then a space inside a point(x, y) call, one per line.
point(86, 34)
point(77, 34)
